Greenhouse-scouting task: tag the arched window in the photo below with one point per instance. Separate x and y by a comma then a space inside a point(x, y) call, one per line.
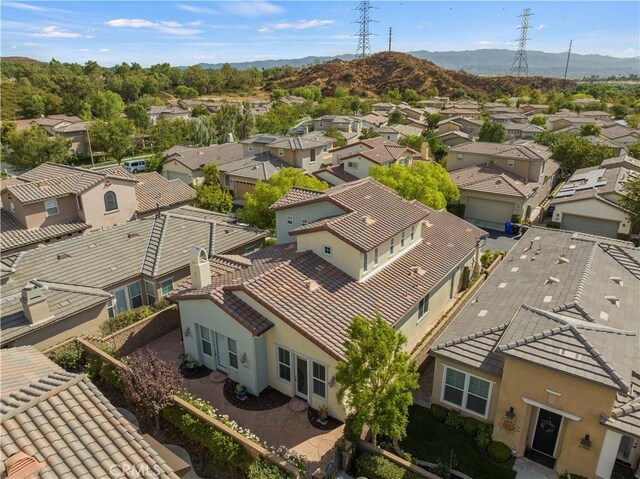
point(110, 201)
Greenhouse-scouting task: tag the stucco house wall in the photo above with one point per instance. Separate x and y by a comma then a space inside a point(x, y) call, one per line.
point(34, 215)
point(360, 167)
point(310, 212)
point(93, 207)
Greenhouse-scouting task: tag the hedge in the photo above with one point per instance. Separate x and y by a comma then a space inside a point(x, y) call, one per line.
point(261, 469)
point(70, 356)
point(553, 224)
point(454, 419)
point(471, 426)
point(373, 466)
point(483, 435)
point(438, 412)
point(499, 451)
point(122, 320)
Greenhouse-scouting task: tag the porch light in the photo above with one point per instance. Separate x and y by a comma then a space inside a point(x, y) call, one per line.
point(332, 381)
point(187, 332)
point(585, 442)
point(510, 414)
point(243, 358)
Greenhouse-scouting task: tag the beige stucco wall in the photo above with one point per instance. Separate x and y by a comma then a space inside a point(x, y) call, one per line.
point(575, 396)
point(177, 167)
point(530, 169)
point(449, 126)
point(309, 212)
point(362, 166)
point(34, 215)
point(93, 207)
point(518, 202)
point(343, 256)
point(593, 208)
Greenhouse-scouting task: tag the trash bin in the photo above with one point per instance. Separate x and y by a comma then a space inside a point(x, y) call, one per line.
point(508, 227)
point(515, 228)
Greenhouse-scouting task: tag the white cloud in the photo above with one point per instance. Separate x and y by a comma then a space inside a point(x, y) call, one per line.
point(173, 28)
point(24, 6)
point(194, 9)
point(55, 32)
point(264, 30)
point(541, 26)
point(197, 23)
point(487, 43)
point(251, 9)
point(83, 50)
point(302, 24)
point(104, 50)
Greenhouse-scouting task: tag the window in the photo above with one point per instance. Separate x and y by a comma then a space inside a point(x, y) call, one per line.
point(135, 294)
point(510, 163)
point(284, 364)
point(326, 250)
point(205, 341)
point(233, 353)
point(289, 219)
point(227, 180)
point(375, 257)
point(392, 245)
point(51, 206)
point(313, 156)
point(468, 392)
point(460, 157)
point(413, 232)
point(304, 221)
point(151, 292)
point(250, 249)
point(250, 148)
point(365, 262)
point(110, 201)
point(166, 286)
point(319, 380)
point(402, 240)
point(352, 164)
point(423, 307)
point(280, 152)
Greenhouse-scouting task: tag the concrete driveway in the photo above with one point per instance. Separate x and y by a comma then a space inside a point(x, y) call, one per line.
point(498, 240)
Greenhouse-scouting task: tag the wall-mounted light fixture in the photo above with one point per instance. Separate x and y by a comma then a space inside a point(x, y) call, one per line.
point(332, 381)
point(187, 332)
point(510, 414)
point(243, 358)
point(585, 442)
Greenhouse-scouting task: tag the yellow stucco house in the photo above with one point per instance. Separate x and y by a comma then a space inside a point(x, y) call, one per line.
point(548, 352)
point(279, 317)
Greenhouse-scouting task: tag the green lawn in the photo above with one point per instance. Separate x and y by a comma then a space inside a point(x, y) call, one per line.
point(432, 441)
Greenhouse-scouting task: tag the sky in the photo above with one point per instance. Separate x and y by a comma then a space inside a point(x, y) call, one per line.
point(191, 32)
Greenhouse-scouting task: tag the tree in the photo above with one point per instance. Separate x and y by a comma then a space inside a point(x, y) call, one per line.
point(633, 120)
point(492, 132)
point(149, 384)
point(256, 210)
point(337, 136)
point(278, 93)
point(396, 117)
point(32, 147)
point(199, 110)
point(539, 120)
point(186, 93)
point(377, 377)
point(409, 95)
point(210, 194)
point(436, 147)
point(311, 92)
point(32, 106)
point(279, 119)
point(412, 141)
point(631, 201)
point(169, 133)
point(634, 150)
point(114, 137)
point(367, 133)
point(432, 120)
point(590, 129)
point(106, 105)
point(234, 119)
point(204, 132)
point(575, 152)
point(424, 181)
point(138, 114)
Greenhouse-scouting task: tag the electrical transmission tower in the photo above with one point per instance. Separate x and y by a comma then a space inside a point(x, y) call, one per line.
point(364, 45)
point(566, 68)
point(390, 37)
point(520, 65)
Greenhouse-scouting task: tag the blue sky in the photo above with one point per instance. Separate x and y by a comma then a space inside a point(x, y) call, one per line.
point(185, 33)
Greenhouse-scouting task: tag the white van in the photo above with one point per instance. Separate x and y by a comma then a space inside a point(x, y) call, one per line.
point(135, 166)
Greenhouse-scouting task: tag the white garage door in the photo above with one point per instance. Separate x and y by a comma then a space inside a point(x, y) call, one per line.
point(174, 175)
point(591, 226)
point(488, 210)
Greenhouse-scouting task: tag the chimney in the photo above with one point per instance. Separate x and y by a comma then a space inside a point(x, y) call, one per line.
point(199, 268)
point(424, 150)
point(35, 304)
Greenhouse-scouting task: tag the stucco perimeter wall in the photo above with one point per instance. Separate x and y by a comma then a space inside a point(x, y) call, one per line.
point(568, 394)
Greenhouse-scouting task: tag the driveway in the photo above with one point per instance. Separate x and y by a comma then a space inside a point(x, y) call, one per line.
point(498, 240)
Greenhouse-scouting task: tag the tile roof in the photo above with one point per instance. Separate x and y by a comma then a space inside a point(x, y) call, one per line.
point(594, 182)
point(280, 277)
point(153, 190)
point(522, 151)
point(625, 415)
point(618, 131)
point(14, 235)
point(563, 300)
point(62, 420)
point(338, 172)
point(373, 213)
point(195, 158)
point(379, 150)
point(623, 160)
point(259, 167)
point(491, 178)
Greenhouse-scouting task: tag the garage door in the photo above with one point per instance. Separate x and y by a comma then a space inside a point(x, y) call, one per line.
point(488, 210)
point(174, 175)
point(592, 226)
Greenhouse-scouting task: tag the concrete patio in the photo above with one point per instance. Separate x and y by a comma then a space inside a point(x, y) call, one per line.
point(278, 427)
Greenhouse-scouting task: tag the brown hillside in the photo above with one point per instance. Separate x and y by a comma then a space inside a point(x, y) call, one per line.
point(375, 75)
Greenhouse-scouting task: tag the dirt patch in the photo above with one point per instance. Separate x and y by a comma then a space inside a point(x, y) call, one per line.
point(195, 373)
point(267, 399)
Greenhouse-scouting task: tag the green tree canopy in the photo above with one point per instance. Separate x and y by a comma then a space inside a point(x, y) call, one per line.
point(367, 133)
point(106, 105)
point(492, 132)
point(590, 129)
point(396, 117)
point(409, 94)
point(186, 92)
point(539, 120)
point(634, 150)
point(279, 119)
point(575, 152)
point(210, 194)
point(114, 137)
point(436, 147)
point(432, 120)
point(412, 141)
point(256, 210)
point(138, 114)
point(424, 181)
point(33, 147)
point(336, 135)
point(631, 201)
point(169, 133)
point(377, 377)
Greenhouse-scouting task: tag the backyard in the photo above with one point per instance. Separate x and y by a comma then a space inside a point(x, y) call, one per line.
point(432, 441)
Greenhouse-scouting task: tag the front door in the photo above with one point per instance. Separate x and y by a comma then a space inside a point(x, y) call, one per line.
point(302, 377)
point(545, 436)
point(222, 352)
point(206, 347)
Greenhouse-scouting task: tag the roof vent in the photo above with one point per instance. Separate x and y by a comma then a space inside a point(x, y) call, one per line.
point(613, 299)
point(21, 466)
point(62, 256)
point(418, 270)
point(311, 284)
point(368, 220)
point(562, 259)
point(552, 279)
point(132, 235)
point(617, 280)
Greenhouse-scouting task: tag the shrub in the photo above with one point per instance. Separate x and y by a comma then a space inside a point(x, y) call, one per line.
point(483, 435)
point(122, 320)
point(443, 471)
point(516, 219)
point(623, 237)
point(71, 356)
point(454, 419)
point(373, 466)
point(261, 469)
point(499, 451)
point(110, 375)
point(456, 209)
point(553, 224)
point(471, 426)
point(568, 475)
point(438, 412)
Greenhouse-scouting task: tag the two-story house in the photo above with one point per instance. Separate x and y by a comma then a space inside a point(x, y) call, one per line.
point(548, 353)
point(167, 113)
point(498, 180)
point(71, 128)
point(279, 317)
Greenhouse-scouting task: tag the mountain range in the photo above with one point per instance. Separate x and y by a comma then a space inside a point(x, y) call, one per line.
point(487, 62)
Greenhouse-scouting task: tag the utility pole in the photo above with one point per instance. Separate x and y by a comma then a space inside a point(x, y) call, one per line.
point(364, 45)
point(566, 68)
point(520, 64)
point(390, 37)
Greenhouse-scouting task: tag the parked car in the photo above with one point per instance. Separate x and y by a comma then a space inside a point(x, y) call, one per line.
point(135, 166)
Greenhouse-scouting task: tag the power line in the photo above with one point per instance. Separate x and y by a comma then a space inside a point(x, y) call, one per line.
point(390, 37)
point(364, 45)
point(566, 68)
point(520, 64)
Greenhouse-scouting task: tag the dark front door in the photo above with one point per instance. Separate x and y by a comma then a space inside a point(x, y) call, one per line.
point(546, 433)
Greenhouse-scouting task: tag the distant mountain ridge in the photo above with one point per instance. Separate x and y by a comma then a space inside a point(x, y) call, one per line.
point(486, 62)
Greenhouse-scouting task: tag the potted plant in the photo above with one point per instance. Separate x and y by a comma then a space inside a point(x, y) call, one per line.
point(323, 415)
point(241, 392)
